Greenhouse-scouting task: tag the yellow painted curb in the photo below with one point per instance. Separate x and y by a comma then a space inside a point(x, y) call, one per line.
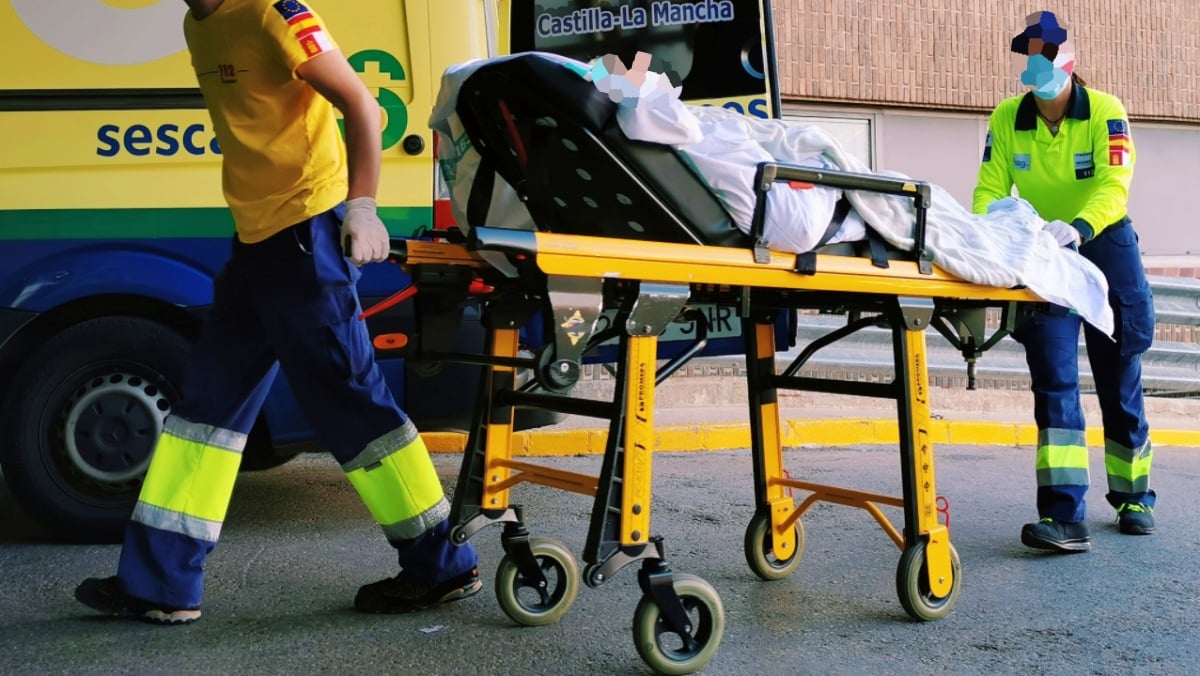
point(830, 432)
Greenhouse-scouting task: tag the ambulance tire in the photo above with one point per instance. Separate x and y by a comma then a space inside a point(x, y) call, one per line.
point(81, 416)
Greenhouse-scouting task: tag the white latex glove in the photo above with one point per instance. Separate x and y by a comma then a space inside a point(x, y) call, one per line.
point(1064, 233)
point(368, 238)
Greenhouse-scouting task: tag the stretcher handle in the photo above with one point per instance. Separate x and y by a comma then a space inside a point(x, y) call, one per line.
point(920, 192)
point(770, 172)
point(397, 250)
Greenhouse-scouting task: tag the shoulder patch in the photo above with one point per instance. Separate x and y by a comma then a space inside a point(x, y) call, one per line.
point(291, 10)
point(304, 27)
point(987, 147)
point(1119, 143)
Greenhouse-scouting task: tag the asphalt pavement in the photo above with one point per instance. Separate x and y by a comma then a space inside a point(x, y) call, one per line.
point(297, 543)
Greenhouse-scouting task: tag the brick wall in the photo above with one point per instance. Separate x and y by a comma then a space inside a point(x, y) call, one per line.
point(953, 54)
point(1190, 273)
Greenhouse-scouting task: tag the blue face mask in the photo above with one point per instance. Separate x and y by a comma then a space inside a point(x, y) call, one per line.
point(1046, 80)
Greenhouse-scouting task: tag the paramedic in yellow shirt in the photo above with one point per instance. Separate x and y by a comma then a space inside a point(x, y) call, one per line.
point(272, 75)
point(1068, 150)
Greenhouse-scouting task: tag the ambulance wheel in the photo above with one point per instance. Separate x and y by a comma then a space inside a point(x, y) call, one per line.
point(760, 553)
point(664, 650)
point(80, 420)
point(527, 603)
point(912, 585)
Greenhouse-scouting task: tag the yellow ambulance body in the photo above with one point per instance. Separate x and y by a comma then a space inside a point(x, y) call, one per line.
point(113, 224)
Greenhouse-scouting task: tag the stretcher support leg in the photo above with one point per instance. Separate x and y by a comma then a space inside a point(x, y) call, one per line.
point(619, 531)
point(481, 496)
point(916, 457)
point(765, 440)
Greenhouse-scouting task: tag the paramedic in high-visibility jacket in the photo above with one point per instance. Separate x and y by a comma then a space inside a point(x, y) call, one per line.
point(272, 76)
point(1068, 150)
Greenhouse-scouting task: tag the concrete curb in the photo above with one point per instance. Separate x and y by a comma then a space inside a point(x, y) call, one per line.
point(710, 413)
point(826, 432)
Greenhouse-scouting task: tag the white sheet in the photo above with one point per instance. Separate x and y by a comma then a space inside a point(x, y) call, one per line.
point(1006, 247)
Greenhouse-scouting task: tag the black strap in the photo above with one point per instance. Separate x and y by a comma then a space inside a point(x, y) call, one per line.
point(878, 247)
point(480, 199)
point(806, 263)
point(840, 211)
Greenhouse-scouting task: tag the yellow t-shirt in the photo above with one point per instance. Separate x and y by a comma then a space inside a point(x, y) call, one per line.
point(284, 159)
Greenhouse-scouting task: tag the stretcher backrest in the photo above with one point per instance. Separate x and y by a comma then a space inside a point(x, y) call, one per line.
point(554, 138)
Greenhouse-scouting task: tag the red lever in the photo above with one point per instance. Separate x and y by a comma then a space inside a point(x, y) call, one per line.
point(478, 288)
point(394, 299)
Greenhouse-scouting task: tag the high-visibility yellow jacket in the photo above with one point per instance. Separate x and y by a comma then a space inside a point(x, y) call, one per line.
point(1081, 175)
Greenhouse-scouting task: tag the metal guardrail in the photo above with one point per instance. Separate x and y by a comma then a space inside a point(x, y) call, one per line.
point(1176, 300)
point(1169, 368)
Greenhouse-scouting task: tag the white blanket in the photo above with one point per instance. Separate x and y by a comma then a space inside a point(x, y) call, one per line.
point(1007, 247)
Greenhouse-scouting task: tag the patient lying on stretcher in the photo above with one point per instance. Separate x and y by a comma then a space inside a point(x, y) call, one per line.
point(1005, 248)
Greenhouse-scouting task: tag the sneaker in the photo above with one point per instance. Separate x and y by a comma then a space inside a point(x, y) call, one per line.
point(402, 594)
point(1057, 536)
point(1134, 518)
point(107, 596)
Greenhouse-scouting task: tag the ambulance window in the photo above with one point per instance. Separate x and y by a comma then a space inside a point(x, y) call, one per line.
point(714, 49)
point(853, 133)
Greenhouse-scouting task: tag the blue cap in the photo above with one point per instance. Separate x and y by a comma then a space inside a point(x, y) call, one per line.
point(1040, 26)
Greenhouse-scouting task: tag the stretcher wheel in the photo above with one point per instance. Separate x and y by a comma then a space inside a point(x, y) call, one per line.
point(526, 603)
point(664, 650)
point(553, 374)
point(759, 551)
point(912, 585)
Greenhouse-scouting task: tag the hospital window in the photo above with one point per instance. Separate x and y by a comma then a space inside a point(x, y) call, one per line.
point(854, 133)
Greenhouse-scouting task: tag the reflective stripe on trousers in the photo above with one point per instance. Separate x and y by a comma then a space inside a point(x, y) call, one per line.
point(398, 483)
point(180, 511)
point(288, 302)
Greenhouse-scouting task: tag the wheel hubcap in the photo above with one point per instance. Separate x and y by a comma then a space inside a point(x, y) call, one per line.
point(112, 425)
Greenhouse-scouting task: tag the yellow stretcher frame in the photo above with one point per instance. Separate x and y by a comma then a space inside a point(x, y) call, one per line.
point(575, 277)
point(628, 236)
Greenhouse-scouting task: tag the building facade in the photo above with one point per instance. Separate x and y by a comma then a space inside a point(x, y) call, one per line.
point(908, 86)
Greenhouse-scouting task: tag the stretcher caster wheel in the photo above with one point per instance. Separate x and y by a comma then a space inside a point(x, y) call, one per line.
point(666, 651)
point(553, 374)
point(760, 554)
point(912, 585)
point(530, 604)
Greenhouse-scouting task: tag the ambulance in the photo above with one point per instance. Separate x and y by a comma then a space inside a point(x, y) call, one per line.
point(113, 225)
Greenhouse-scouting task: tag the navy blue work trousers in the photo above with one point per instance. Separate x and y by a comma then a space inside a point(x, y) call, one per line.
point(290, 301)
point(1051, 340)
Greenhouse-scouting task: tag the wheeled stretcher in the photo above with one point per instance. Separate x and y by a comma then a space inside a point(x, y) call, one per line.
point(626, 228)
